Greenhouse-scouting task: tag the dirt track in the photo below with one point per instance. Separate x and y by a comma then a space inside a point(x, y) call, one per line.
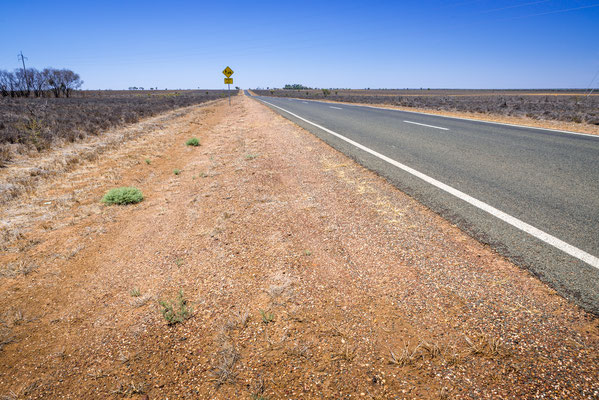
point(309, 277)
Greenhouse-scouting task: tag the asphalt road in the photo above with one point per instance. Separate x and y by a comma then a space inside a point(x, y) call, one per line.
point(532, 194)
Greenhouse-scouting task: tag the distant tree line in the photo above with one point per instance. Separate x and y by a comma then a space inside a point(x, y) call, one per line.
point(46, 83)
point(296, 86)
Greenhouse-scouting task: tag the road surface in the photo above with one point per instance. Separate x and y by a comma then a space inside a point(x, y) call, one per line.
point(532, 194)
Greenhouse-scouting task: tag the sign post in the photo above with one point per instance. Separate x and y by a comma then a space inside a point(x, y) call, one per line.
point(228, 81)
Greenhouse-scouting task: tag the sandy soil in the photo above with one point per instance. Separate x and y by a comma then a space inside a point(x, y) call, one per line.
point(505, 119)
point(307, 277)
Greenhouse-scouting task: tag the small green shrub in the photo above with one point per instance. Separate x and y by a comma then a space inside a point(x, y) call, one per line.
point(176, 171)
point(267, 317)
point(193, 142)
point(123, 195)
point(148, 161)
point(135, 292)
point(176, 311)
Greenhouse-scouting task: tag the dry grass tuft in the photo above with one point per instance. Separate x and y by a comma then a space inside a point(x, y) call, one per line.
point(422, 351)
point(224, 371)
point(485, 345)
point(6, 337)
point(237, 321)
point(129, 389)
point(258, 387)
point(346, 354)
point(299, 350)
point(10, 396)
point(141, 300)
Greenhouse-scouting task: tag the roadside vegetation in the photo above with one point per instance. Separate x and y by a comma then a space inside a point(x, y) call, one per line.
point(123, 196)
point(177, 310)
point(558, 105)
point(193, 142)
point(33, 124)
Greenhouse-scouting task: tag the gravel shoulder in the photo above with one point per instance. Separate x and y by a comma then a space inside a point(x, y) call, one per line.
point(307, 276)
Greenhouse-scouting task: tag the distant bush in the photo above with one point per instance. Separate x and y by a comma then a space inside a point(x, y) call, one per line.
point(123, 195)
point(193, 142)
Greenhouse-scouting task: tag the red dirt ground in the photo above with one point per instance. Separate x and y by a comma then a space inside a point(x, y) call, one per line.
point(308, 277)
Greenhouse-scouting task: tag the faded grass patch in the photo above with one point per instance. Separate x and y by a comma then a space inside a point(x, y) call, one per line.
point(481, 345)
point(224, 371)
point(20, 267)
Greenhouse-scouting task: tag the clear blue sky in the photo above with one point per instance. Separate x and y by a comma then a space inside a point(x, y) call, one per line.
point(394, 44)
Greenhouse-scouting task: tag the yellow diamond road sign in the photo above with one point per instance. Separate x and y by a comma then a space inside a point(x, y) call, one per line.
point(228, 81)
point(228, 72)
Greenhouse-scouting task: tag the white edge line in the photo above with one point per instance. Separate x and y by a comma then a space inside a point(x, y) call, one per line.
point(430, 126)
point(515, 222)
point(463, 119)
point(336, 108)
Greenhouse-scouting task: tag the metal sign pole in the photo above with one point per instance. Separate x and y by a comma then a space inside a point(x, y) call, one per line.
point(228, 81)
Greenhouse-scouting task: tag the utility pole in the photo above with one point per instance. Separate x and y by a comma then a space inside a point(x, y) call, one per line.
point(23, 58)
point(591, 85)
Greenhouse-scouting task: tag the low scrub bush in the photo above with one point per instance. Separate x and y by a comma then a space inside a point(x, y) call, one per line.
point(193, 142)
point(176, 311)
point(123, 195)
